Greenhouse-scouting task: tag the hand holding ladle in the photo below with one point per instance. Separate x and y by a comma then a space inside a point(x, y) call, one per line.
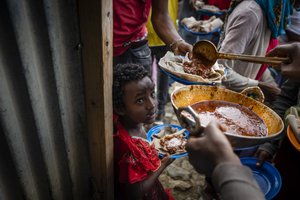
point(206, 51)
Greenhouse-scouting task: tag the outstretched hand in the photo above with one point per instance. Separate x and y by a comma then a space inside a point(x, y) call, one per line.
point(262, 156)
point(181, 48)
point(290, 69)
point(211, 149)
point(167, 160)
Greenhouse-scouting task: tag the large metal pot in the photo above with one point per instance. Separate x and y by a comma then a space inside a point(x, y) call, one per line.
point(189, 95)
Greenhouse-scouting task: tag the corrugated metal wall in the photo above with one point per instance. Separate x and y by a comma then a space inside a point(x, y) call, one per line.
point(43, 146)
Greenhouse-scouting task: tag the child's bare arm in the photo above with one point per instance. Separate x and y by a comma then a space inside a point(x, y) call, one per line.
point(137, 190)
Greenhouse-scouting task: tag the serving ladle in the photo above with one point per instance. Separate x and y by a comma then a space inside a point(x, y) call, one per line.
point(207, 53)
point(189, 119)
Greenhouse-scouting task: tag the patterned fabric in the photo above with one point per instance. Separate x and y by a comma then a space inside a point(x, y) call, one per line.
point(278, 14)
point(135, 158)
point(139, 159)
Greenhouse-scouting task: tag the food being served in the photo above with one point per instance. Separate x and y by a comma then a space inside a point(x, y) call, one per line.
point(173, 143)
point(196, 67)
point(170, 140)
point(238, 119)
point(191, 70)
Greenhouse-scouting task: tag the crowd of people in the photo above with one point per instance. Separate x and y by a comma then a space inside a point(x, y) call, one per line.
point(251, 27)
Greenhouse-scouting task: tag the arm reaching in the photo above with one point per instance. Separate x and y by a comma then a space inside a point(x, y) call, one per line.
point(212, 155)
point(137, 190)
point(291, 69)
point(166, 30)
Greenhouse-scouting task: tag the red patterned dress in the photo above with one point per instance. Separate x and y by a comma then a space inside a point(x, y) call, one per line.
point(134, 158)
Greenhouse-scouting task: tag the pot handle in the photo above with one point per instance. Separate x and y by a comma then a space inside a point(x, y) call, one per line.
point(189, 119)
point(254, 93)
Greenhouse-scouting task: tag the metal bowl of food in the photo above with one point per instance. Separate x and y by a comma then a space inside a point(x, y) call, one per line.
point(189, 96)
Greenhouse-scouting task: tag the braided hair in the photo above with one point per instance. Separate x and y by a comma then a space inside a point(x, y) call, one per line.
point(122, 74)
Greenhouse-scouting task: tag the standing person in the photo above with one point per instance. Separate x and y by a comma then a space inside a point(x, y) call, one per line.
point(281, 151)
point(212, 155)
point(130, 43)
point(137, 165)
point(158, 50)
point(186, 9)
point(248, 29)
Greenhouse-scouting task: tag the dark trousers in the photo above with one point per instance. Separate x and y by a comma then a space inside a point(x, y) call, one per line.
point(140, 55)
point(162, 79)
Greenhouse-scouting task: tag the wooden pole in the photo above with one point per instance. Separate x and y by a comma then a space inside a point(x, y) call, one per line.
point(96, 22)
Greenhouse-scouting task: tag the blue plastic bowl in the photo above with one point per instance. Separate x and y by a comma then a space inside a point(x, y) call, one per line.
point(267, 176)
point(212, 36)
point(209, 34)
point(156, 129)
point(246, 152)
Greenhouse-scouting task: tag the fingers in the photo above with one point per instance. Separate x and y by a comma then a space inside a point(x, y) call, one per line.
point(193, 144)
point(213, 134)
point(167, 159)
point(262, 156)
point(278, 67)
point(282, 50)
point(181, 48)
point(222, 128)
point(259, 162)
point(190, 55)
point(215, 129)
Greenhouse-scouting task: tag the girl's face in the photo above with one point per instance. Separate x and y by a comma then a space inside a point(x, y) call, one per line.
point(139, 101)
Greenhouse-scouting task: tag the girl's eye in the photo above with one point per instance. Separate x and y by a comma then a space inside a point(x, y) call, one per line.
point(140, 101)
point(153, 94)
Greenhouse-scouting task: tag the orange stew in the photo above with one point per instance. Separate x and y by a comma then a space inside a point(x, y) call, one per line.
point(237, 119)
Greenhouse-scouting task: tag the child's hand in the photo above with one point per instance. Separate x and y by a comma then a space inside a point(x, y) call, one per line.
point(167, 160)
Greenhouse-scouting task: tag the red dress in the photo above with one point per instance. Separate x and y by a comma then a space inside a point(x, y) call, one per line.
point(134, 158)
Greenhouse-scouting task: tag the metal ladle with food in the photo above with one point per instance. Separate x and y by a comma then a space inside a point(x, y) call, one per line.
point(206, 51)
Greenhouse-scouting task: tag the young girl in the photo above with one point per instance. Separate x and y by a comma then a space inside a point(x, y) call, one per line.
point(137, 165)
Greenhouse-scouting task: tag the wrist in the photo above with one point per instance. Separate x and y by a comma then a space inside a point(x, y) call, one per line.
point(174, 45)
point(228, 158)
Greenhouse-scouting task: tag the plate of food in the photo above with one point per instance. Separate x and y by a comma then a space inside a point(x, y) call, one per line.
point(267, 176)
point(187, 82)
point(169, 139)
point(189, 72)
point(211, 33)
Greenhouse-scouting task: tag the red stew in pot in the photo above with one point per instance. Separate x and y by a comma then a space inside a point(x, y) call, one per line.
point(238, 119)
